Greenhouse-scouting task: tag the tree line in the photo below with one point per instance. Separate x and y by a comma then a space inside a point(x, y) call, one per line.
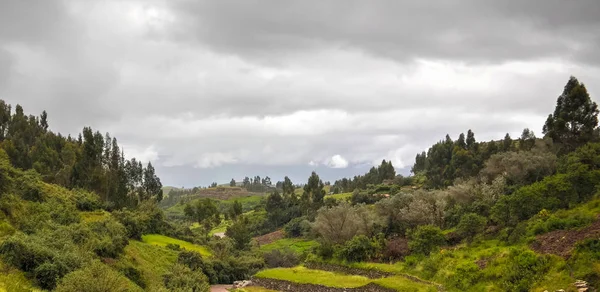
point(92, 161)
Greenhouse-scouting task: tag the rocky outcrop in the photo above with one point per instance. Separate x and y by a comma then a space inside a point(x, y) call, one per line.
point(580, 285)
point(281, 285)
point(242, 284)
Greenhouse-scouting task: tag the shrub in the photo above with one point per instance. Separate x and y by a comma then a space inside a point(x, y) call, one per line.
point(360, 248)
point(134, 275)
point(110, 238)
point(47, 274)
point(561, 220)
point(467, 274)
point(425, 239)
point(86, 201)
point(281, 258)
point(470, 225)
point(181, 278)
point(297, 227)
point(395, 249)
point(96, 277)
point(325, 250)
point(524, 268)
point(173, 246)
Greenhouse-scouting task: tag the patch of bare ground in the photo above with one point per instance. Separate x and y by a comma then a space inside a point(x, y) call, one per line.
point(269, 237)
point(562, 242)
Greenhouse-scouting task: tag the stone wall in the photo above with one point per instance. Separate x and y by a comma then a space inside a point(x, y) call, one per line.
point(281, 285)
point(369, 273)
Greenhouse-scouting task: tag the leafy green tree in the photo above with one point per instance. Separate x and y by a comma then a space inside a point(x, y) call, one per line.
point(203, 211)
point(461, 141)
point(314, 192)
point(232, 183)
point(507, 143)
point(471, 143)
point(152, 185)
point(240, 233)
point(527, 140)
point(275, 208)
point(236, 210)
point(574, 119)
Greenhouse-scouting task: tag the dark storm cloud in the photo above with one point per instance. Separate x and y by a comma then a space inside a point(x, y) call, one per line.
point(470, 30)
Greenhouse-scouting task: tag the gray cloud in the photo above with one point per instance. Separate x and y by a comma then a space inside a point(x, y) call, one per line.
point(210, 90)
point(472, 31)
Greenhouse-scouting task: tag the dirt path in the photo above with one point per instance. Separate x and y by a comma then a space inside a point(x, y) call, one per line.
point(220, 288)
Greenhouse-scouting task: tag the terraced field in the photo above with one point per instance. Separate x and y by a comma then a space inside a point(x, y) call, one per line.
point(298, 245)
point(302, 275)
point(161, 240)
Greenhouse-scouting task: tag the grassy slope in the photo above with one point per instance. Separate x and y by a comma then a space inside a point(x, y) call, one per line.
point(161, 240)
point(151, 260)
point(298, 245)
point(308, 276)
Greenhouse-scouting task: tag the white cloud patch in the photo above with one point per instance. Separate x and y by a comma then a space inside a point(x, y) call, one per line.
point(337, 161)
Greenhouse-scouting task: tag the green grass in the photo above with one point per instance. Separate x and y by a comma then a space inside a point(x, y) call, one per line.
point(298, 245)
point(152, 261)
point(161, 240)
point(303, 275)
point(342, 196)
point(403, 284)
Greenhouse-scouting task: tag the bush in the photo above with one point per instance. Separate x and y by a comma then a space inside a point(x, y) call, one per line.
point(325, 250)
point(110, 238)
point(297, 227)
point(182, 278)
point(86, 201)
point(173, 246)
point(395, 249)
point(524, 268)
point(561, 220)
point(96, 277)
point(47, 274)
point(277, 258)
point(467, 274)
point(360, 248)
point(135, 276)
point(470, 225)
point(425, 239)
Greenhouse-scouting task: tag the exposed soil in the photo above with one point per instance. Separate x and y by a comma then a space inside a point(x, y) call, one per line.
point(220, 288)
point(269, 237)
point(562, 242)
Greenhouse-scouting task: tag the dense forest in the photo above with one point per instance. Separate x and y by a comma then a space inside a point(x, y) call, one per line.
point(503, 215)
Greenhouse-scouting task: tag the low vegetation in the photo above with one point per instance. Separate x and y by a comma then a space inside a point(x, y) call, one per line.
point(161, 240)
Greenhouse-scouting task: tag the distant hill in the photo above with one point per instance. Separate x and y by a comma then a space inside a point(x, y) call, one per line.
point(168, 189)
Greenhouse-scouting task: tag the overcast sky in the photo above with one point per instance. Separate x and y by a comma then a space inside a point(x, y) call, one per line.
point(210, 90)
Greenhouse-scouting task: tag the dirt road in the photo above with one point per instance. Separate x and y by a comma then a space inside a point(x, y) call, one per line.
point(219, 288)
